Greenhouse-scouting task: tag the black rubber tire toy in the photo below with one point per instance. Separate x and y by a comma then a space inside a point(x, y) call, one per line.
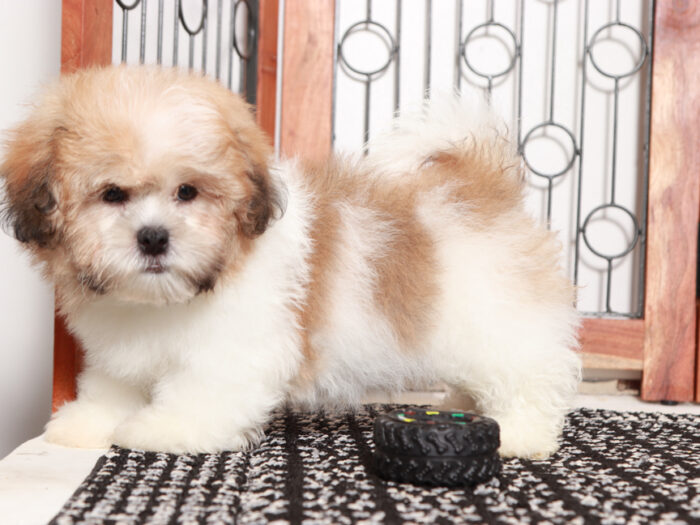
point(436, 447)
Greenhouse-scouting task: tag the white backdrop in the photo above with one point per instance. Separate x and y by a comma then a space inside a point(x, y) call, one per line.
point(30, 54)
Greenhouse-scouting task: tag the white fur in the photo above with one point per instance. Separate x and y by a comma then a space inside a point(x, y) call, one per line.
point(439, 123)
point(205, 374)
point(198, 376)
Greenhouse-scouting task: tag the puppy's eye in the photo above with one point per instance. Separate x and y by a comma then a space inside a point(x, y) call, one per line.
point(186, 192)
point(114, 195)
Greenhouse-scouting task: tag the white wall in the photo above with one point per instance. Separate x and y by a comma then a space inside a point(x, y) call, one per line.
point(30, 38)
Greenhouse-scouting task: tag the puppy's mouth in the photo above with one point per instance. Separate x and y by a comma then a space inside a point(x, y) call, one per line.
point(154, 266)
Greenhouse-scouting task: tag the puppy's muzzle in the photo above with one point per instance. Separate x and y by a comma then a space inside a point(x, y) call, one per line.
point(153, 241)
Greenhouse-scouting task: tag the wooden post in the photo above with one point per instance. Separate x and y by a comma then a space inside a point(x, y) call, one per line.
point(86, 40)
point(612, 344)
point(86, 34)
point(674, 195)
point(267, 65)
point(307, 79)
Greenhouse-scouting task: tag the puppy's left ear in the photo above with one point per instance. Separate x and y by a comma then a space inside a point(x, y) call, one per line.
point(265, 202)
point(265, 199)
point(28, 172)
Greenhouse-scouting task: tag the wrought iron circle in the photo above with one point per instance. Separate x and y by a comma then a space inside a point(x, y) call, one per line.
point(181, 15)
point(471, 35)
point(371, 27)
point(570, 162)
point(629, 248)
point(251, 29)
point(125, 7)
point(637, 66)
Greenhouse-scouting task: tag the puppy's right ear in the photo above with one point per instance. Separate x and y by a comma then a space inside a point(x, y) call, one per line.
point(29, 210)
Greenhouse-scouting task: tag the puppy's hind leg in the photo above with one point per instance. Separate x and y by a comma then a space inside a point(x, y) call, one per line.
point(523, 374)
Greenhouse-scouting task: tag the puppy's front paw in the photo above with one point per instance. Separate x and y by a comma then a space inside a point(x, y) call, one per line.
point(82, 424)
point(163, 431)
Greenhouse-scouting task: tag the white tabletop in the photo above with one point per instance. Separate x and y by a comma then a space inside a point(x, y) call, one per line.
point(37, 478)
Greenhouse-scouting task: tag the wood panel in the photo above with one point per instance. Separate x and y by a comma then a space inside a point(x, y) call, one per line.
point(674, 195)
point(86, 34)
point(267, 65)
point(613, 344)
point(86, 40)
point(67, 362)
point(307, 78)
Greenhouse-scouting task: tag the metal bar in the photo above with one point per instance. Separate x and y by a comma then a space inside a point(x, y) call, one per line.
point(397, 58)
point(231, 47)
point(552, 81)
point(205, 40)
point(608, 286)
point(368, 92)
point(176, 33)
point(334, 91)
point(125, 32)
point(219, 14)
point(241, 53)
point(554, 56)
point(550, 184)
point(519, 51)
point(242, 75)
point(577, 248)
point(159, 53)
point(190, 55)
point(645, 169)
point(142, 42)
point(251, 62)
point(428, 38)
point(613, 171)
point(458, 46)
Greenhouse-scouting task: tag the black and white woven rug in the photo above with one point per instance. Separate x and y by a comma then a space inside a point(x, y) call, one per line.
point(612, 468)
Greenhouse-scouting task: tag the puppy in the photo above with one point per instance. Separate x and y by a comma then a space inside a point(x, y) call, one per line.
point(209, 284)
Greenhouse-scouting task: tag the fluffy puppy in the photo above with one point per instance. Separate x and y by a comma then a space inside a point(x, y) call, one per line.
point(209, 285)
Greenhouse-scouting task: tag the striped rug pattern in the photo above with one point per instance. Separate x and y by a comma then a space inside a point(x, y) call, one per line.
point(318, 468)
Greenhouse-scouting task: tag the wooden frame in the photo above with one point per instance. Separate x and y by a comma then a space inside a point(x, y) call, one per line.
point(662, 345)
point(670, 348)
point(307, 81)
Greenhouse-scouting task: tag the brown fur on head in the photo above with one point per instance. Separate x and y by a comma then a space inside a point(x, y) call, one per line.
point(147, 132)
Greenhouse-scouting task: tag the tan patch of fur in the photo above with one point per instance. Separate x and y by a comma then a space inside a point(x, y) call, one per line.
point(540, 252)
point(486, 178)
point(489, 180)
point(404, 269)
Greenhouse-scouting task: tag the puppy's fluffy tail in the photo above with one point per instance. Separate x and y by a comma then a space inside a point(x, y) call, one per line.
point(443, 124)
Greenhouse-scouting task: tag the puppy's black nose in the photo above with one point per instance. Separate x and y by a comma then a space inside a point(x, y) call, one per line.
point(153, 241)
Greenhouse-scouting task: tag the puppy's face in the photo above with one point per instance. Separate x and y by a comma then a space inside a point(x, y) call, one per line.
point(140, 183)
